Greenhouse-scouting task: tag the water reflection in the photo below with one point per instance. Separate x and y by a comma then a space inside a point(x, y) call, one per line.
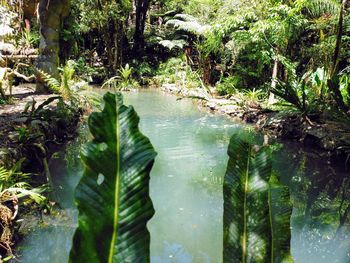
point(321, 205)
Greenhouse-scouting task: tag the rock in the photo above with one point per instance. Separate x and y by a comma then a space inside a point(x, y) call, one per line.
point(231, 109)
point(5, 158)
point(28, 223)
point(65, 218)
point(170, 87)
point(211, 105)
point(221, 102)
point(250, 116)
point(21, 120)
point(7, 49)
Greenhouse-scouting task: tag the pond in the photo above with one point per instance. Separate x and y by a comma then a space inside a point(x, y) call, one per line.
point(186, 190)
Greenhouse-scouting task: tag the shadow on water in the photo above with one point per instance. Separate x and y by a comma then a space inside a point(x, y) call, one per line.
point(186, 189)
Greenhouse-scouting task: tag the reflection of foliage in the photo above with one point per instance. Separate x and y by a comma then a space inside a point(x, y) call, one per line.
point(72, 153)
point(210, 182)
point(257, 208)
point(115, 188)
point(320, 196)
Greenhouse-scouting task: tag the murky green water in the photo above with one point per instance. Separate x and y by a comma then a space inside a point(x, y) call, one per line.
point(186, 184)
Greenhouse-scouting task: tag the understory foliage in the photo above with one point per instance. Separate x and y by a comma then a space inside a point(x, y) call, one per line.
point(285, 47)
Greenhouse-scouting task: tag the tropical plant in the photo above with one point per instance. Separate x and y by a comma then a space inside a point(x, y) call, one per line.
point(257, 207)
point(123, 81)
point(293, 92)
point(228, 85)
point(114, 188)
point(77, 93)
point(13, 186)
point(254, 95)
point(28, 39)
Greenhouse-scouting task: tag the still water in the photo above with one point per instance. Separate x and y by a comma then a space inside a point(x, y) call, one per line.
point(186, 190)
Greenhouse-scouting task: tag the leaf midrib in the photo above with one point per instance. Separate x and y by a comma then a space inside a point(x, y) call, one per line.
point(271, 225)
point(244, 238)
point(117, 187)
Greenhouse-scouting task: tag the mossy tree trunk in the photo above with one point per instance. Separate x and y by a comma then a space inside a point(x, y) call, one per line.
point(333, 81)
point(51, 15)
point(141, 15)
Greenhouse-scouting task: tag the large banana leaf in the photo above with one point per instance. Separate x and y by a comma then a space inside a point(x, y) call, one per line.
point(257, 208)
point(113, 194)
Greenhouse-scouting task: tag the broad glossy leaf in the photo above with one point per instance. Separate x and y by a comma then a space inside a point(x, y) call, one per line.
point(113, 194)
point(257, 209)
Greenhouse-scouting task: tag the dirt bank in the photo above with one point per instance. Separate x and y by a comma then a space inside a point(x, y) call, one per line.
point(33, 126)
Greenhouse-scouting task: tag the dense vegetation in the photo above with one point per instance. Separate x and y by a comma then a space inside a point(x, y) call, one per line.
point(298, 50)
point(295, 49)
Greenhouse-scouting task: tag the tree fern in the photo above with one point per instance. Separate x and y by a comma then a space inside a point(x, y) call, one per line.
point(317, 8)
point(188, 24)
point(53, 83)
point(68, 88)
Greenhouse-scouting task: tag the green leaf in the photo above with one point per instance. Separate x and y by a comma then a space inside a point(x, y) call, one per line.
point(113, 195)
point(257, 209)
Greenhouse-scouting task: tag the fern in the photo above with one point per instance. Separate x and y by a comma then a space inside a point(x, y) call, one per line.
point(76, 92)
point(52, 83)
point(188, 24)
point(173, 44)
point(317, 8)
point(62, 87)
point(66, 79)
point(12, 181)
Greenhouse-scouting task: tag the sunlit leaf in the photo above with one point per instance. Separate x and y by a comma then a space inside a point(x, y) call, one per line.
point(113, 195)
point(257, 209)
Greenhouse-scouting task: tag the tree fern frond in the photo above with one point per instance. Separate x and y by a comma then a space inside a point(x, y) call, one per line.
point(317, 8)
point(53, 83)
point(4, 173)
point(186, 23)
point(171, 44)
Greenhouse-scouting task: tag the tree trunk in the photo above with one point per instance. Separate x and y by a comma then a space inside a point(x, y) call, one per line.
point(333, 82)
point(339, 39)
point(109, 32)
point(118, 45)
point(141, 14)
point(272, 99)
point(51, 15)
